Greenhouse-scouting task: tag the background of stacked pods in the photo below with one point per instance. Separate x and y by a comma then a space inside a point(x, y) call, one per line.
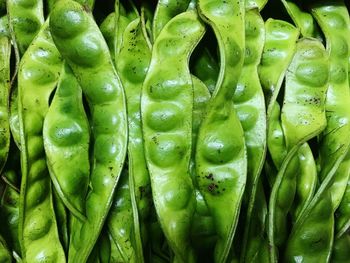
point(174, 131)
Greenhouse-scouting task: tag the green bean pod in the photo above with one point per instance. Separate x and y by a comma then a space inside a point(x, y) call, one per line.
point(302, 118)
point(221, 161)
point(62, 219)
point(342, 214)
point(333, 19)
point(279, 48)
point(91, 63)
point(341, 249)
point(121, 225)
point(165, 11)
point(5, 255)
point(167, 97)
point(303, 20)
point(107, 30)
point(66, 140)
point(26, 18)
point(37, 77)
point(252, 4)
point(5, 53)
point(9, 209)
point(202, 230)
point(132, 65)
point(249, 103)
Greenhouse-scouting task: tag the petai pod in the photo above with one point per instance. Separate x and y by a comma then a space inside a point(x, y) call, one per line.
point(5, 254)
point(249, 103)
point(167, 98)
point(302, 118)
point(26, 18)
point(5, 53)
point(91, 63)
point(221, 160)
point(66, 141)
point(165, 11)
point(37, 77)
point(132, 65)
point(120, 222)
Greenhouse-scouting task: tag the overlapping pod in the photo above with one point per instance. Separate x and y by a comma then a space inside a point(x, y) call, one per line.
point(37, 77)
point(341, 249)
point(318, 215)
point(167, 97)
point(9, 209)
point(342, 214)
point(132, 65)
point(249, 103)
point(302, 118)
point(165, 11)
point(5, 53)
point(71, 26)
point(66, 135)
point(221, 161)
point(26, 18)
point(302, 19)
point(122, 223)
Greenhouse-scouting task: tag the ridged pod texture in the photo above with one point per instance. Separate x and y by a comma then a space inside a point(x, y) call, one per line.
point(37, 77)
point(81, 43)
point(221, 161)
point(167, 98)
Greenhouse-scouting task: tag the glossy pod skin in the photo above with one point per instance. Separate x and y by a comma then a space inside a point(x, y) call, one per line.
point(121, 225)
point(37, 77)
point(221, 160)
point(165, 11)
point(279, 48)
point(303, 20)
point(252, 4)
point(26, 18)
point(132, 65)
point(9, 210)
point(66, 136)
point(5, 53)
point(302, 118)
point(249, 104)
point(318, 215)
point(342, 214)
point(341, 249)
point(167, 96)
point(90, 61)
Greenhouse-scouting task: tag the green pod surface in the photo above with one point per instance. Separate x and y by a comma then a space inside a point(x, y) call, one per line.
point(302, 118)
point(9, 210)
point(302, 19)
point(91, 63)
point(62, 219)
point(5, 53)
point(279, 48)
point(341, 249)
point(132, 65)
point(14, 118)
point(259, 4)
point(121, 225)
point(37, 77)
point(333, 18)
point(342, 214)
point(26, 18)
point(221, 161)
point(249, 104)
point(66, 140)
point(165, 11)
point(167, 97)
point(311, 239)
point(107, 30)
point(5, 254)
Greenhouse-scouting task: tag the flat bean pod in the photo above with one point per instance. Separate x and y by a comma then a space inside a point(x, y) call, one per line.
point(71, 26)
point(132, 65)
point(66, 136)
point(167, 96)
point(37, 77)
point(5, 255)
point(249, 104)
point(221, 160)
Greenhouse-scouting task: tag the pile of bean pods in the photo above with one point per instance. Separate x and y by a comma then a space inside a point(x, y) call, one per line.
point(174, 131)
